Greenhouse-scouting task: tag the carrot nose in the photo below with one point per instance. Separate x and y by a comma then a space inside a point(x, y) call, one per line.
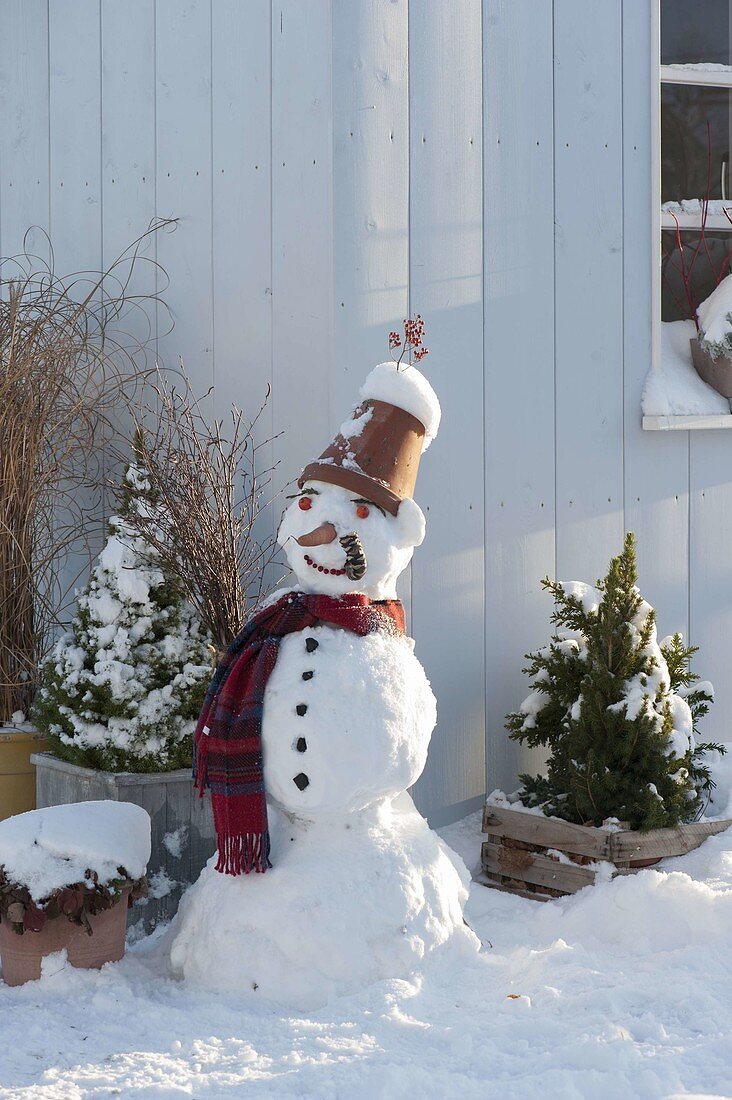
point(319, 537)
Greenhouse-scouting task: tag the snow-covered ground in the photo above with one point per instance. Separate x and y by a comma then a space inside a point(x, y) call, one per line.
point(624, 990)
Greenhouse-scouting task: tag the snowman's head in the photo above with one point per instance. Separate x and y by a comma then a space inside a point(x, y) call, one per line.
point(336, 541)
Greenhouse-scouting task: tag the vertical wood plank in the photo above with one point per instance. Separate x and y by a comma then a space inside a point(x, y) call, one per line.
point(183, 188)
point(242, 219)
point(371, 186)
point(24, 184)
point(152, 797)
point(241, 181)
point(201, 840)
point(302, 263)
point(128, 184)
point(589, 285)
point(656, 463)
point(518, 357)
point(710, 572)
point(370, 195)
point(75, 209)
point(75, 135)
point(128, 148)
point(446, 260)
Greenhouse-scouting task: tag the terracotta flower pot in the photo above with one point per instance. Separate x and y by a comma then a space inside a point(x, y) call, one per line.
point(717, 373)
point(22, 956)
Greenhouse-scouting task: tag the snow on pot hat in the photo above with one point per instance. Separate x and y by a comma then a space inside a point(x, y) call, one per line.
point(376, 452)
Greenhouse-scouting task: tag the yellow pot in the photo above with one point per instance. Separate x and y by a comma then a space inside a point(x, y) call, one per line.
point(17, 774)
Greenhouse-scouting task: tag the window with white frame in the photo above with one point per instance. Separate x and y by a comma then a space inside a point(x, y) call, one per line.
point(696, 211)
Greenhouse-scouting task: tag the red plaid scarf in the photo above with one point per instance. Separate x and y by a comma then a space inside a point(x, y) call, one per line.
point(228, 737)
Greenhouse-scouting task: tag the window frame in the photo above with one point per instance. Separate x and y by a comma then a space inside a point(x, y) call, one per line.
point(669, 74)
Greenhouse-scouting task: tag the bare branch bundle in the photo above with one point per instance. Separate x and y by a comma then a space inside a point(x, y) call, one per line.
point(64, 364)
point(210, 528)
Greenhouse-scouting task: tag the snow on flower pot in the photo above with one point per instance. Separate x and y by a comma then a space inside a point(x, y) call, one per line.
point(66, 875)
point(715, 371)
point(542, 857)
point(17, 772)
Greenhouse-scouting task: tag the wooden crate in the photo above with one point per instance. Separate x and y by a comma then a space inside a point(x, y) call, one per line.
point(542, 857)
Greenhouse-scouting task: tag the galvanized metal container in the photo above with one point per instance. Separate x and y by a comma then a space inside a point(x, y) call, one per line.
point(183, 836)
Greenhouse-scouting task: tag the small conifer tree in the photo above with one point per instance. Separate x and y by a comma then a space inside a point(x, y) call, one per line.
point(122, 690)
point(616, 710)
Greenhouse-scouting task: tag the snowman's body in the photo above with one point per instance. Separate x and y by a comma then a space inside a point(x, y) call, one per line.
point(360, 888)
point(347, 720)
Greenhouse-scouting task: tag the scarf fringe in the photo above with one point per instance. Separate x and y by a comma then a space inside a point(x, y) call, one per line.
point(238, 855)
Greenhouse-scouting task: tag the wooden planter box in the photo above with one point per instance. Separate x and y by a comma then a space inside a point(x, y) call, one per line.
point(543, 857)
point(17, 774)
point(171, 802)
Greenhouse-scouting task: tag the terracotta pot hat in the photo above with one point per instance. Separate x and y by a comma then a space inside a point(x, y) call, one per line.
point(376, 452)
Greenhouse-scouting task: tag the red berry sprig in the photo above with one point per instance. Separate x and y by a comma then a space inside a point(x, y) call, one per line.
point(413, 336)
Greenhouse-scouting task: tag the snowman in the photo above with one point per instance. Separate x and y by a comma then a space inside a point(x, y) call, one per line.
point(316, 723)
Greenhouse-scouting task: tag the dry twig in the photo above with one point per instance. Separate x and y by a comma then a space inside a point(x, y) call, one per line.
point(210, 527)
point(65, 360)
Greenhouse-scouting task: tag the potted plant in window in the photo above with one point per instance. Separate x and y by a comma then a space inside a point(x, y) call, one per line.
point(626, 780)
point(711, 350)
point(691, 270)
point(67, 875)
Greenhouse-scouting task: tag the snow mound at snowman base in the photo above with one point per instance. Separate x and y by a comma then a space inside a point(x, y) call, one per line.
point(349, 901)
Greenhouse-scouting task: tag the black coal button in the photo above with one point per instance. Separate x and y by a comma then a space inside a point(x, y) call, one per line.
point(311, 644)
point(301, 745)
point(308, 675)
point(301, 709)
point(301, 781)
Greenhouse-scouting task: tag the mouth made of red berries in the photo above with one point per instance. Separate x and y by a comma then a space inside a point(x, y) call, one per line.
point(323, 568)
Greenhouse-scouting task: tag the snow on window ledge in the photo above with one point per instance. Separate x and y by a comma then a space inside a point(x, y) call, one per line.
point(674, 396)
point(700, 66)
point(715, 207)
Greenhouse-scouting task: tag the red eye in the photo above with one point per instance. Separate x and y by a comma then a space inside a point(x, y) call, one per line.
point(362, 511)
point(305, 503)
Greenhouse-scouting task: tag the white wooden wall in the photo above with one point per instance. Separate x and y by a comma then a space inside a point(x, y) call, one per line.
point(337, 164)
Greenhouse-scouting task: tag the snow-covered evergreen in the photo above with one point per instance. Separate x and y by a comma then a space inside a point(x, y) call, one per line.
point(616, 708)
point(122, 690)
